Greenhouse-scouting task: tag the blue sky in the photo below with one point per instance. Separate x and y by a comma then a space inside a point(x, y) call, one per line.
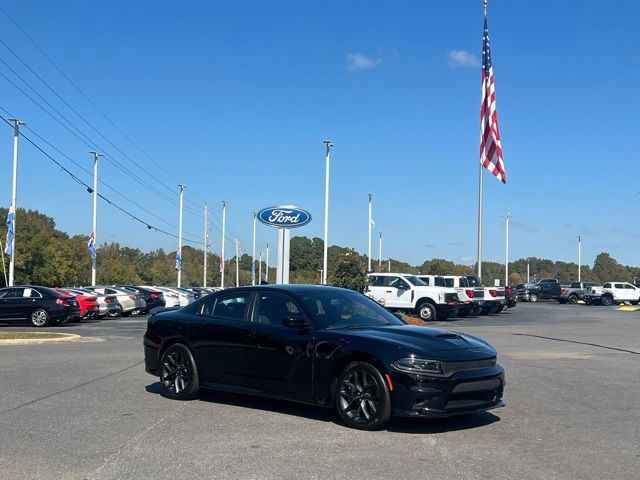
point(234, 99)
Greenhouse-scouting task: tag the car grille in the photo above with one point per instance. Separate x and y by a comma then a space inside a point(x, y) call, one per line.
point(449, 368)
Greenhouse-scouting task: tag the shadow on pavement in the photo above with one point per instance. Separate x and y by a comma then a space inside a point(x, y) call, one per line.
point(399, 425)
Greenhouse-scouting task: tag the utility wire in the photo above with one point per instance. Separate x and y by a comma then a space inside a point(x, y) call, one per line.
point(103, 197)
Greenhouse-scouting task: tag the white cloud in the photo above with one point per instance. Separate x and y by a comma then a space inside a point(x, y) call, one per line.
point(462, 58)
point(359, 61)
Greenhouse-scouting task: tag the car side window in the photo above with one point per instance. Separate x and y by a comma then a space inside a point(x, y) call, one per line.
point(397, 282)
point(425, 280)
point(8, 293)
point(31, 293)
point(232, 307)
point(15, 293)
point(618, 285)
point(271, 308)
point(628, 286)
point(606, 285)
point(376, 281)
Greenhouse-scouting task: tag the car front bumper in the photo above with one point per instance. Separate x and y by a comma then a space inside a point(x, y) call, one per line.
point(462, 393)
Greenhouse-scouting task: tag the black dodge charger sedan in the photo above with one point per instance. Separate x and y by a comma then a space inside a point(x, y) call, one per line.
point(321, 345)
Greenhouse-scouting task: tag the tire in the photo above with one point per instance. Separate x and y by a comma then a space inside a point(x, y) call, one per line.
point(362, 397)
point(485, 310)
point(635, 302)
point(179, 378)
point(475, 310)
point(40, 318)
point(426, 311)
point(606, 300)
point(533, 297)
point(573, 299)
point(463, 313)
point(500, 308)
point(125, 314)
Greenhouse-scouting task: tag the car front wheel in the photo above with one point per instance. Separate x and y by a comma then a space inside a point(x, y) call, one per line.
point(178, 373)
point(362, 397)
point(40, 318)
point(606, 300)
point(533, 298)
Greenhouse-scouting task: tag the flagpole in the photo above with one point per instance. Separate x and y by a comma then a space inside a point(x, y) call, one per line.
point(4, 268)
point(14, 194)
point(369, 251)
point(506, 249)
point(237, 265)
point(96, 155)
point(380, 254)
point(180, 237)
point(206, 246)
point(224, 224)
point(253, 254)
point(325, 253)
point(480, 194)
point(260, 268)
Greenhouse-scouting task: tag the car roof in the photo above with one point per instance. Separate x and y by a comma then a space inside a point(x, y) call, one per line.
point(295, 289)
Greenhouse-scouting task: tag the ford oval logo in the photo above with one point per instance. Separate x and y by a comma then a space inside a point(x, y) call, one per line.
point(284, 217)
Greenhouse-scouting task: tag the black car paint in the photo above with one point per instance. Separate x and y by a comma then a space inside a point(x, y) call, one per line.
point(302, 364)
point(18, 309)
point(151, 300)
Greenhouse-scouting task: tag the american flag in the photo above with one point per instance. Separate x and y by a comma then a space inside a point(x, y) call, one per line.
point(92, 245)
point(490, 146)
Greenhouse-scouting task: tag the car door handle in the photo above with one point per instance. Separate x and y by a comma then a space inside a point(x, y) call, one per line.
point(389, 291)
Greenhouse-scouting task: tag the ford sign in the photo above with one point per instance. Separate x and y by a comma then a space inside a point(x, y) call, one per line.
point(284, 217)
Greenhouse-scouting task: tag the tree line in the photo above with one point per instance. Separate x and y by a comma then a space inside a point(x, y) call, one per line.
point(48, 256)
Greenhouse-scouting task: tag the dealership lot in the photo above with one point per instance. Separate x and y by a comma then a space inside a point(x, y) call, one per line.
point(88, 410)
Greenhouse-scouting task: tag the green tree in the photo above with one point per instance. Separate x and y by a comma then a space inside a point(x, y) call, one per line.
point(349, 272)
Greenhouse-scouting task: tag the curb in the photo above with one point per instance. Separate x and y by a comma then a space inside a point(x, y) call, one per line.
point(63, 337)
point(628, 309)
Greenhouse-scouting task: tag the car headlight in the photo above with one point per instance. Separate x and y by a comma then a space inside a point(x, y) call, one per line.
point(415, 364)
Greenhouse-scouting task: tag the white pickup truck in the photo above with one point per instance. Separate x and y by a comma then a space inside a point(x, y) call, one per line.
point(470, 297)
point(612, 292)
point(494, 299)
point(399, 291)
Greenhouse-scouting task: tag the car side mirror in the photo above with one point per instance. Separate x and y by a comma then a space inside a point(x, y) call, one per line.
point(294, 322)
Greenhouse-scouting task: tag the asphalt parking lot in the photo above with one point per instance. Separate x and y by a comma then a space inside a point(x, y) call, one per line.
point(87, 410)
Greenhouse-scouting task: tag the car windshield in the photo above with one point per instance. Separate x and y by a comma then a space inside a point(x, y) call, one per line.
point(340, 309)
point(415, 281)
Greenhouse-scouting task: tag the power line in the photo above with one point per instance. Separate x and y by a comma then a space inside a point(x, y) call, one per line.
point(103, 197)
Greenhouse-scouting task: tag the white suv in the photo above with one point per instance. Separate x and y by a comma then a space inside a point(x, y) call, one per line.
point(399, 291)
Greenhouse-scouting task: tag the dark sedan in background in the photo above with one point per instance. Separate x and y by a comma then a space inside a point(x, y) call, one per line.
point(41, 306)
point(324, 346)
point(153, 298)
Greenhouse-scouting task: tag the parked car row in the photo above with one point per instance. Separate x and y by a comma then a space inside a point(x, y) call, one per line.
point(609, 293)
point(44, 306)
point(434, 297)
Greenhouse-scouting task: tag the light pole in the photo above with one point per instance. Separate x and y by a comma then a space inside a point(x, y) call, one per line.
point(237, 265)
point(326, 212)
point(380, 253)
point(506, 249)
point(14, 194)
point(260, 267)
point(579, 258)
point(253, 254)
point(206, 246)
point(224, 223)
point(528, 279)
point(266, 270)
point(96, 155)
point(370, 220)
point(179, 261)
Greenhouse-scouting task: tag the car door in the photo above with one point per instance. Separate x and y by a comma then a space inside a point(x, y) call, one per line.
point(15, 304)
point(7, 306)
point(397, 292)
point(376, 288)
point(278, 359)
point(633, 292)
point(619, 292)
point(218, 334)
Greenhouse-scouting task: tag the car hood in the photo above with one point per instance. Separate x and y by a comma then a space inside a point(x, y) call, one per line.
point(418, 338)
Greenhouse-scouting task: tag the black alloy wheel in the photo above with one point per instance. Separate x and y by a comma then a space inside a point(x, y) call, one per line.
point(178, 373)
point(362, 397)
point(533, 297)
point(39, 318)
point(573, 299)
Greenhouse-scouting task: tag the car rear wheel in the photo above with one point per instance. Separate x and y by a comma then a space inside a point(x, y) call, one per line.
point(533, 297)
point(573, 299)
point(178, 373)
point(606, 300)
point(362, 397)
point(427, 311)
point(40, 318)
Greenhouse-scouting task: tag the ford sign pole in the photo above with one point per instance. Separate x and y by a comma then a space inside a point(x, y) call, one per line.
point(326, 212)
point(284, 218)
point(253, 254)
